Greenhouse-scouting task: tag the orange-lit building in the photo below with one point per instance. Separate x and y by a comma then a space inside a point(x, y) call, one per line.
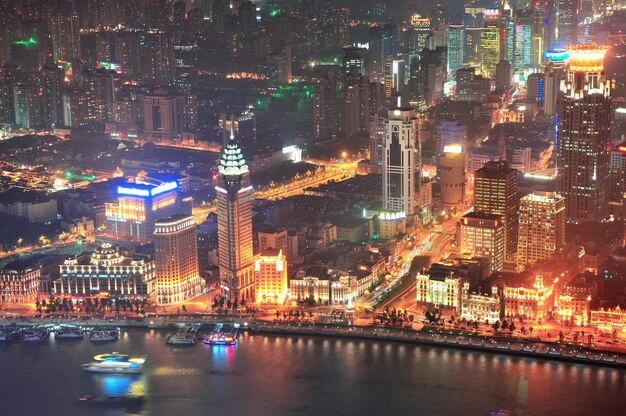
point(609, 319)
point(270, 277)
point(176, 257)
point(234, 224)
point(19, 284)
point(530, 299)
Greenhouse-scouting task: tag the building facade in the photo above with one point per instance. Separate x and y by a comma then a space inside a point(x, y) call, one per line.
point(401, 163)
point(270, 277)
point(583, 138)
point(234, 224)
point(176, 257)
point(542, 227)
point(107, 272)
point(482, 235)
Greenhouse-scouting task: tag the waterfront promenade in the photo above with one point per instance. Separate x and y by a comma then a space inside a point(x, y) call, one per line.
point(435, 337)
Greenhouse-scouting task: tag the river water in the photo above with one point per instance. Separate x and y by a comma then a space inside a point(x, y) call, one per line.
point(266, 375)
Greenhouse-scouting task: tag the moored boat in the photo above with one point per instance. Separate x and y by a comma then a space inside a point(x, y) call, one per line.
point(99, 335)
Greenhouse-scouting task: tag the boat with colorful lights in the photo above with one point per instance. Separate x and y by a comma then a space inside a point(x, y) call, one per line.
point(35, 335)
point(116, 363)
point(223, 335)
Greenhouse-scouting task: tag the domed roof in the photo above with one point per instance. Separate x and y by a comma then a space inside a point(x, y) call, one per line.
point(106, 249)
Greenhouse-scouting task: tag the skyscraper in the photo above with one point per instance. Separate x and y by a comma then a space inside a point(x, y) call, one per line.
point(489, 48)
point(583, 136)
point(456, 48)
point(495, 192)
point(401, 162)
point(542, 227)
point(234, 224)
point(567, 22)
point(176, 256)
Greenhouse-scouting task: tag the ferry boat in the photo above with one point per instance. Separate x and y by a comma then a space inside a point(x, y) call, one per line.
point(115, 363)
point(34, 335)
point(186, 336)
point(220, 336)
point(8, 334)
point(70, 332)
point(99, 335)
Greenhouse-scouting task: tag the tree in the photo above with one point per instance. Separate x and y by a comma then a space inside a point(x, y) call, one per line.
point(184, 309)
point(505, 325)
point(496, 325)
point(512, 327)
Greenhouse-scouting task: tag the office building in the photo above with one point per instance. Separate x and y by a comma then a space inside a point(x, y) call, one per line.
point(482, 235)
point(489, 48)
point(234, 224)
point(583, 139)
point(401, 162)
point(176, 258)
point(270, 277)
point(495, 192)
point(449, 132)
point(456, 48)
point(132, 216)
point(541, 227)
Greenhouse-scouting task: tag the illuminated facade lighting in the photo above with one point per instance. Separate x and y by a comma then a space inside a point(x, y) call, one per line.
point(270, 278)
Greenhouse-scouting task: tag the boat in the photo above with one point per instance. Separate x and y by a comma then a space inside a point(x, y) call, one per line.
point(182, 339)
point(99, 335)
point(70, 332)
point(116, 363)
point(222, 336)
point(8, 334)
point(186, 336)
point(124, 400)
point(34, 335)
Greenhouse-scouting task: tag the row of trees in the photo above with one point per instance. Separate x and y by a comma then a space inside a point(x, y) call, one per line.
point(395, 317)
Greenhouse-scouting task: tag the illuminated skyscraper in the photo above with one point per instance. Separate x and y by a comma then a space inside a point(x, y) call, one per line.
point(452, 175)
point(456, 48)
point(401, 162)
point(176, 257)
point(583, 136)
point(234, 224)
point(133, 215)
point(541, 227)
point(495, 192)
point(489, 48)
point(567, 18)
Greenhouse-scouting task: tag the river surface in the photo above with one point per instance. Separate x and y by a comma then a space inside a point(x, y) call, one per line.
point(297, 375)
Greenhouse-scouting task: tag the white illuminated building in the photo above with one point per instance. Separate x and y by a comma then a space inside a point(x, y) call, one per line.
point(401, 163)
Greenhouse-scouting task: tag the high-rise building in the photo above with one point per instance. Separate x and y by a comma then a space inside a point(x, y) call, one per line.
point(432, 75)
point(617, 172)
point(523, 44)
point(76, 109)
point(357, 109)
point(270, 277)
point(482, 235)
point(456, 48)
point(401, 162)
point(452, 175)
point(383, 45)
point(495, 192)
point(541, 227)
point(489, 48)
point(279, 63)
point(52, 84)
point(471, 55)
point(100, 88)
point(163, 115)
point(27, 102)
point(567, 22)
point(503, 76)
point(132, 216)
point(234, 224)
point(176, 257)
point(583, 135)
point(377, 137)
point(325, 118)
point(65, 36)
point(417, 34)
